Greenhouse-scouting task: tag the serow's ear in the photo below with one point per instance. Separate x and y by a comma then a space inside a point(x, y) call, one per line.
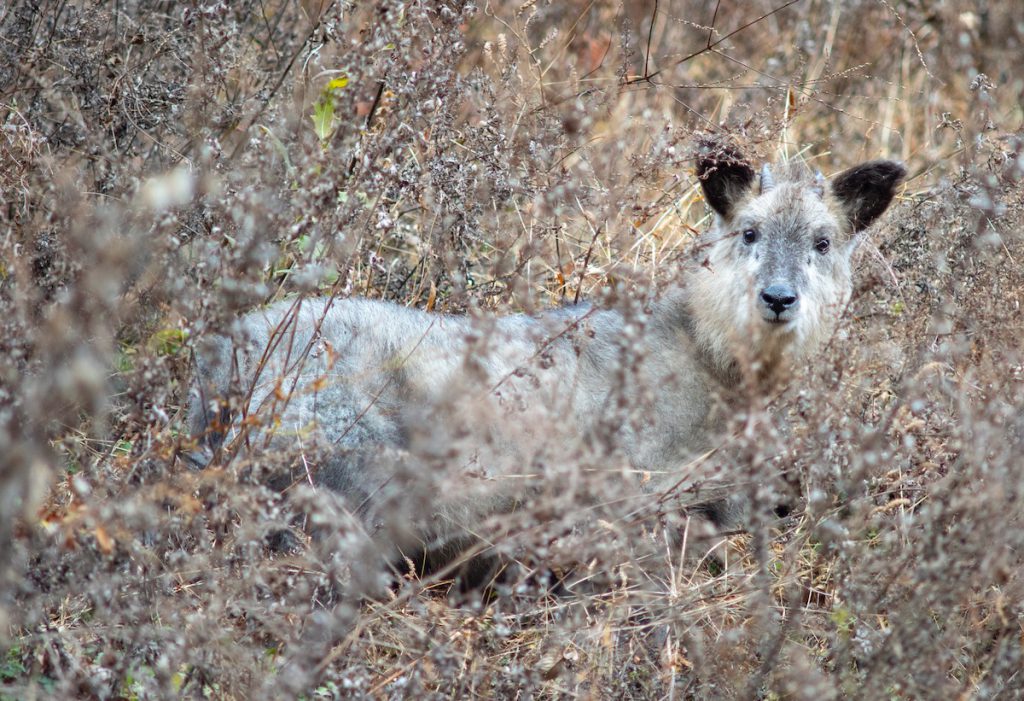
point(865, 191)
point(725, 176)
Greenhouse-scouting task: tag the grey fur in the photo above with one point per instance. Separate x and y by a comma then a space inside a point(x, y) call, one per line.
point(429, 425)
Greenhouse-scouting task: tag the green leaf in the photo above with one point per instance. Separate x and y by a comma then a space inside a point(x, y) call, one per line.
point(843, 620)
point(125, 360)
point(323, 110)
point(11, 668)
point(323, 117)
point(167, 341)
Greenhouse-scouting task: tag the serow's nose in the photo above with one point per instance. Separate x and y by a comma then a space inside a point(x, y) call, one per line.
point(779, 298)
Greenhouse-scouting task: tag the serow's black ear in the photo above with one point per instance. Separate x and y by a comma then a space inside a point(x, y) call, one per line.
point(865, 191)
point(725, 176)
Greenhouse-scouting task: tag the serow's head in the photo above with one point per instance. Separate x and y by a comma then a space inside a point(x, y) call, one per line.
point(777, 270)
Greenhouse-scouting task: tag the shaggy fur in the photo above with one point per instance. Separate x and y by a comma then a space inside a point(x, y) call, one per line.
point(428, 424)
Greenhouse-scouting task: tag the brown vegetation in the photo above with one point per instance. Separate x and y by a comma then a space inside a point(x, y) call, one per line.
point(167, 166)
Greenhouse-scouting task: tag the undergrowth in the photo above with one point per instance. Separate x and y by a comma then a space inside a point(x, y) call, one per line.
point(167, 166)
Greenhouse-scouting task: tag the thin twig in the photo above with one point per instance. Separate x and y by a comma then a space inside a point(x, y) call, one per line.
point(650, 36)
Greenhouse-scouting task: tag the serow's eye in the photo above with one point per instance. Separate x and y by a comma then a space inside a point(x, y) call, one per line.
point(822, 246)
point(750, 236)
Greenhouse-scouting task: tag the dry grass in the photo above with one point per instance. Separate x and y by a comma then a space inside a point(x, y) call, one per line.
point(162, 173)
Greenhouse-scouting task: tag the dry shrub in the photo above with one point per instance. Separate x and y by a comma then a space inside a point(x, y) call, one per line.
point(167, 167)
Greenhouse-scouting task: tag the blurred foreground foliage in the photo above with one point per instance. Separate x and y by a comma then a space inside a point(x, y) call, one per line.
point(166, 166)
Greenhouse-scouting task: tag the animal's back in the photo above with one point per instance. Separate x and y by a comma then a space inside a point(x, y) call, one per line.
point(316, 371)
point(353, 372)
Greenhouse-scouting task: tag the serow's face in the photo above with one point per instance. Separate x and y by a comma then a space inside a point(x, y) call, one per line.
point(787, 257)
point(779, 255)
